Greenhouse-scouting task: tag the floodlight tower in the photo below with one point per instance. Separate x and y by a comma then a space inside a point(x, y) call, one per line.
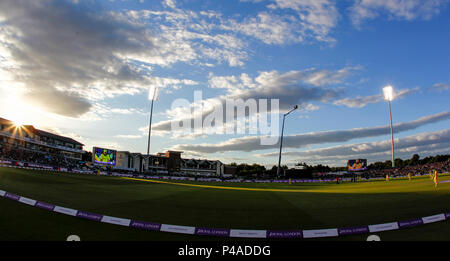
point(281, 141)
point(389, 96)
point(152, 95)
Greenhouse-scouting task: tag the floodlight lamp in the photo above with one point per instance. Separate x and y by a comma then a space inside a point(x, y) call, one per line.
point(153, 93)
point(388, 93)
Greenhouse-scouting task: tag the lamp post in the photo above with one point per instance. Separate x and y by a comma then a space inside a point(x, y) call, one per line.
point(152, 95)
point(389, 96)
point(281, 141)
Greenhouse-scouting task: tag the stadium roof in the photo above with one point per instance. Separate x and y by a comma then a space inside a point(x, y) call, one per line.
point(55, 136)
point(2, 120)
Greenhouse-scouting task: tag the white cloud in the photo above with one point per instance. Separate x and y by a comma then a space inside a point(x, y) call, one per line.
point(360, 102)
point(310, 19)
point(293, 87)
point(441, 86)
point(396, 9)
point(128, 136)
point(101, 111)
point(193, 37)
point(170, 3)
point(300, 21)
point(269, 28)
point(316, 16)
point(252, 143)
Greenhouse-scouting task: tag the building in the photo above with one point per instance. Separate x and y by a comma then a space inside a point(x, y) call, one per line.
point(129, 161)
point(169, 162)
point(27, 139)
point(28, 144)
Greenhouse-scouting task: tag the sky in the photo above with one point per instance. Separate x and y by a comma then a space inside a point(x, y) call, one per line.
point(84, 69)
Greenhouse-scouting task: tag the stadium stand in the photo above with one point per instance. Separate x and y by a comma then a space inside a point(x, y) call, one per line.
point(30, 145)
point(423, 169)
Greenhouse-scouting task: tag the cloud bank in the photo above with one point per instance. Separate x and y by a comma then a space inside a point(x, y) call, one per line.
point(252, 143)
point(294, 87)
point(66, 56)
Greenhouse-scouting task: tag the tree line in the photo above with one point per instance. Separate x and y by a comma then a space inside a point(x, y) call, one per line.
point(247, 170)
point(413, 161)
point(256, 170)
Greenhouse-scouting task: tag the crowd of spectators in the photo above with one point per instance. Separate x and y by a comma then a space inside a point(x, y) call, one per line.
point(37, 157)
point(420, 169)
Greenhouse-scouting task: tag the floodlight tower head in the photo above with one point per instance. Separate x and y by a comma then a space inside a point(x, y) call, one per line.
point(153, 93)
point(388, 93)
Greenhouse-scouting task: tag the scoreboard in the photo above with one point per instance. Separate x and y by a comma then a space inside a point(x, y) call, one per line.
point(104, 156)
point(357, 164)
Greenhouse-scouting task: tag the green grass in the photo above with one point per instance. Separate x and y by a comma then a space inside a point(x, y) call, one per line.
point(316, 206)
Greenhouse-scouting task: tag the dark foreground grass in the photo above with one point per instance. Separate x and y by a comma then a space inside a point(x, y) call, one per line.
point(316, 206)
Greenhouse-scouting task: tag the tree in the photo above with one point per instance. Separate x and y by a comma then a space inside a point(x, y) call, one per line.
point(415, 159)
point(399, 163)
point(249, 170)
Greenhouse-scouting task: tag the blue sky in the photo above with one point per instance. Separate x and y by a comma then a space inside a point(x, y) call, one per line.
point(83, 69)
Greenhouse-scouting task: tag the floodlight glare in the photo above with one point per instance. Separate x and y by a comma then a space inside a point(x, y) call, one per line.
point(388, 93)
point(153, 93)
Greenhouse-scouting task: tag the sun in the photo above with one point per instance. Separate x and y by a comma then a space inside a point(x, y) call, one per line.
point(20, 113)
point(15, 109)
point(19, 122)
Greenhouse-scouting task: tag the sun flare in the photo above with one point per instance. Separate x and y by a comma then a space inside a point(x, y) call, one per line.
point(14, 108)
